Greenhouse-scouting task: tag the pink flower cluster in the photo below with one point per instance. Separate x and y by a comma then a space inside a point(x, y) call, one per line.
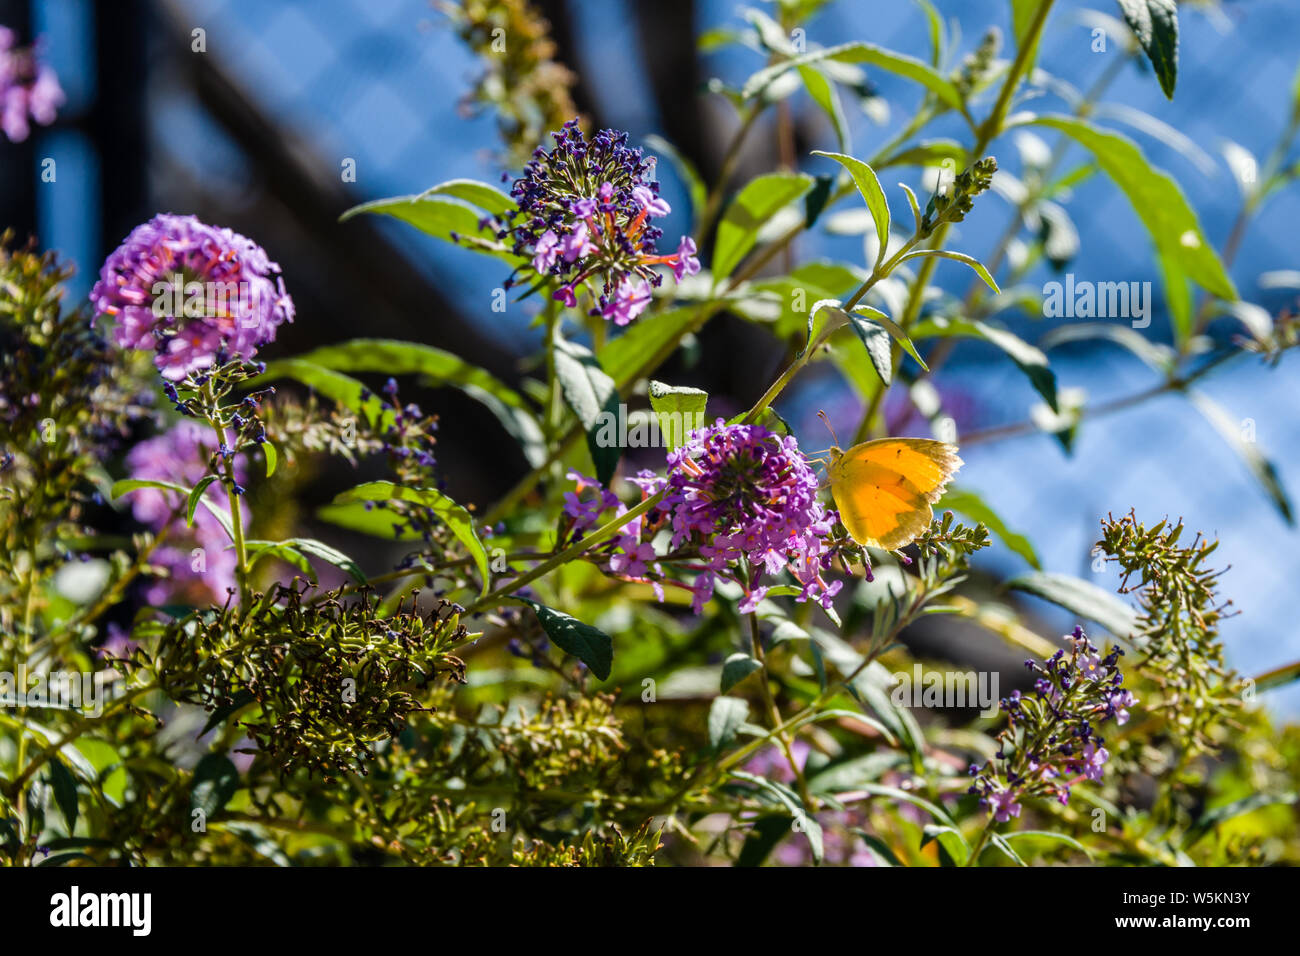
point(740, 499)
point(191, 293)
point(29, 90)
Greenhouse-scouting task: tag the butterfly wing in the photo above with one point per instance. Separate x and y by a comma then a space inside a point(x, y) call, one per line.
point(884, 488)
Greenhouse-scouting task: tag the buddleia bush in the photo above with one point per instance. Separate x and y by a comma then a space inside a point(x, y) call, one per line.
point(682, 636)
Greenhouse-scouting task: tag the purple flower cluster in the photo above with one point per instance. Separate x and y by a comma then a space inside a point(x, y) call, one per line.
point(191, 293)
point(739, 498)
point(1050, 742)
point(199, 559)
point(29, 90)
point(585, 219)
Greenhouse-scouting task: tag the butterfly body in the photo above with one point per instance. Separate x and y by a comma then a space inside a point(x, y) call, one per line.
point(884, 488)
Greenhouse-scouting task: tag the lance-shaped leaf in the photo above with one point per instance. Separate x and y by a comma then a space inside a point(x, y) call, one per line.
point(588, 644)
point(1081, 598)
point(1155, 24)
point(455, 517)
point(823, 93)
point(343, 389)
point(864, 177)
point(127, 485)
point(437, 367)
point(1259, 464)
point(973, 506)
point(1181, 246)
point(861, 52)
point(971, 261)
point(594, 398)
point(754, 205)
point(679, 409)
point(1029, 359)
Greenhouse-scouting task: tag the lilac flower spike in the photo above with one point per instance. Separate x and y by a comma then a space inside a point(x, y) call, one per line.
point(585, 219)
point(1050, 742)
point(186, 291)
point(741, 498)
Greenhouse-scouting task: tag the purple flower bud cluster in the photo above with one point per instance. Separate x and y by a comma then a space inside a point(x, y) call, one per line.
point(191, 293)
point(29, 90)
point(199, 559)
point(585, 212)
point(741, 501)
point(1050, 742)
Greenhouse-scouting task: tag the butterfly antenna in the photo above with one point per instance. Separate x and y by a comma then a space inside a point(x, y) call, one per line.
point(826, 420)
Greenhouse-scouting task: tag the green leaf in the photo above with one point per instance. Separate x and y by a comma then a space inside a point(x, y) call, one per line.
point(695, 187)
point(588, 644)
point(937, 32)
point(453, 515)
point(754, 205)
point(815, 200)
point(594, 398)
point(438, 368)
point(394, 357)
point(1158, 356)
point(272, 458)
point(801, 821)
point(1029, 359)
point(890, 326)
point(823, 93)
point(878, 345)
point(971, 261)
point(486, 197)
point(1047, 835)
point(1278, 676)
point(214, 783)
point(893, 793)
point(623, 357)
point(726, 714)
point(972, 506)
point(869, 187)
point(1159, 203)
point(762, 838)
point(848, 774)
point(195, 494)
point(260, 550)
point(950, 838)
point(1259, 464)
point(319, 549)
point(930, 152)
point(1214, 816)
point(127, 485)
point(373, 521)
point(441, 219)
point(1081, 598)
point(679, 409)
point(241, 700)
point(65, 791)
point(334, 385)
point(879, 849)
point(736, 668)
point(1022, 18)
point(911, 202)
point(1155, 24)
point(899, 63)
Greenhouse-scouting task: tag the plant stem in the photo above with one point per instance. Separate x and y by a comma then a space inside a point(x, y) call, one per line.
point(978, 848)
point(607, 530)
point(774, 713)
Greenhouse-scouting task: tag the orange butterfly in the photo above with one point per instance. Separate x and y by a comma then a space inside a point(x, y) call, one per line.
point(884, 488)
